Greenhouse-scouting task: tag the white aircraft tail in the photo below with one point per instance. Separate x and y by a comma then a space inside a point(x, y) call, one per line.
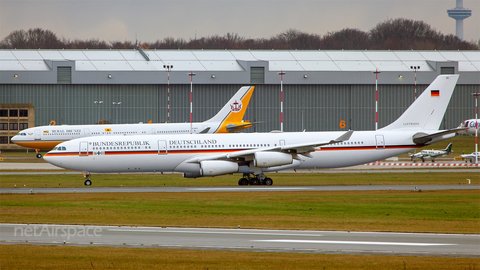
point(428, 110)
point(232, 113)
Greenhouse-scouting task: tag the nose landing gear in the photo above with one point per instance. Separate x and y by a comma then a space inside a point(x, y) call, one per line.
point(87, 182)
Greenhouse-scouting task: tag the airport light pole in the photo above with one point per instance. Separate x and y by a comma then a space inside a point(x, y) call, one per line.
point(98, 109)
point(476, 126)
point(168, 68)
point(116, 104)
point(415, 69)
point(281, 73)
point(376, 98)
point(191, 74)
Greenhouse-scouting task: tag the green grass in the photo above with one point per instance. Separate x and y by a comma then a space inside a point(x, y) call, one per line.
point(65, 257)
point(279, 179)
point(450, 211)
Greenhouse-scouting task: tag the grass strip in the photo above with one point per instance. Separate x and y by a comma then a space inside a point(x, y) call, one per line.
point(279, 179)
point(445, 211)
point(66, 257)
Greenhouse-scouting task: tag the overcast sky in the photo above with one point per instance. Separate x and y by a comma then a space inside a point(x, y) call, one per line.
point(151, 20)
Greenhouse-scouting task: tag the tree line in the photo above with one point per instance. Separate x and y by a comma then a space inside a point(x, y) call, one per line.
point(393, 34)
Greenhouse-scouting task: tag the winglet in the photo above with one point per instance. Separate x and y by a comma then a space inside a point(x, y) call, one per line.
point(345, 137)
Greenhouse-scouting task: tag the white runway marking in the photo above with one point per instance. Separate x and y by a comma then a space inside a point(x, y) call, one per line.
point(250, 189)
point(353, 243)
point(217, 232)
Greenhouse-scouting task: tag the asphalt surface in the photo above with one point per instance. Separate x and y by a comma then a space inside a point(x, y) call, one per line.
point(321, 242)
point(235, 189)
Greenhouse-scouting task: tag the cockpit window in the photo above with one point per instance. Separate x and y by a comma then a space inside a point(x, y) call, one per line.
point(60, 148)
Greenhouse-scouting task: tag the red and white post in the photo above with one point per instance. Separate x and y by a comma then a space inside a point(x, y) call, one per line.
point(281, 99)
point(415, 68)
point(168, 67)
point(476, 126)
point(191, 74)
point(376, 98)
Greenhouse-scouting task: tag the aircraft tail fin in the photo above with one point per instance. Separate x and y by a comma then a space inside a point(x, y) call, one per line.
point(449, 148)
point(427, 111)
point(232, 113)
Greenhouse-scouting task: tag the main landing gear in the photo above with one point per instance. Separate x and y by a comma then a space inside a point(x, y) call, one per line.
point(86, 175)
point(258, 179)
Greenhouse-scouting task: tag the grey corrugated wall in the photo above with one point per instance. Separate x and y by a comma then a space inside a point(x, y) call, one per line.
point(309, 107)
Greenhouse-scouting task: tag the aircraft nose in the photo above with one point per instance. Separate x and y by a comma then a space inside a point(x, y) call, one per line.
point(48, 157)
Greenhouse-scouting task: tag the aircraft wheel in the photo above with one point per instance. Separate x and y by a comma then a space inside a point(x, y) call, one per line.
point(254, 181)
point(268, 181)
point(39, 155)
point(88, 182)
point(243, 182)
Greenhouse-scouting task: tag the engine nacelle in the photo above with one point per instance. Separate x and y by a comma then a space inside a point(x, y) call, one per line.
point(192, 175)
point(271, 159)
point(218, 167)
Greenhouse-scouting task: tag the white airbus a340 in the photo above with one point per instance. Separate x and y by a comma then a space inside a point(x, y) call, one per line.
point(254, 154)
point(228, 119)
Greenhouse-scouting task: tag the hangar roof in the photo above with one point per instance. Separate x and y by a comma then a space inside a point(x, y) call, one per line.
point(230, 60)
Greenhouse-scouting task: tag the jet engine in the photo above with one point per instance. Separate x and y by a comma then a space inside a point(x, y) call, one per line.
point(217, 167)
point(271, 159)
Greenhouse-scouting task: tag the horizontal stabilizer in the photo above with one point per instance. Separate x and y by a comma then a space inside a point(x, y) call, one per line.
point(234, 127)
point(423, 138)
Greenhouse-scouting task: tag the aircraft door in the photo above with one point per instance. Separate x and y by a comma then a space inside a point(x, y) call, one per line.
point(380, 142)
point(83, 149)
point(154, 131)
point(87, 132)
point(162, 147)
point(38, 133)
point(282, 142)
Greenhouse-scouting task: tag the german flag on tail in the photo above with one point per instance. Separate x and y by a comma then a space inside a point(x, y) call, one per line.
point(435, 93)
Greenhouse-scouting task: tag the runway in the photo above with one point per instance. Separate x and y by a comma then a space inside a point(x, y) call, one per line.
point(321, 242)
point(234, 189)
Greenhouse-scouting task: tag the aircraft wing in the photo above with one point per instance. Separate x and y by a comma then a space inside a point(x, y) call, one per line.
point(417, 155)
point(294, 149)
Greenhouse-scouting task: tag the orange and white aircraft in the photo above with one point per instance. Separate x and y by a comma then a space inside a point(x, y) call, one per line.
point(228, 119)
point(197, 155)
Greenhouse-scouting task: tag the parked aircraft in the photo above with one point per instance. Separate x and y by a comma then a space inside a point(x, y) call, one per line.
point(471, 157)
point(228, 119)
point(470, 125)
point(254, 154)
point(433, 154)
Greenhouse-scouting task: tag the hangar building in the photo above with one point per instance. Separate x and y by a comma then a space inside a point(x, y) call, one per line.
point(322, 90)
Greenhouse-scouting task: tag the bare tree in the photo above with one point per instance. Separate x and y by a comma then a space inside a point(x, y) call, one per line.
point(346, 39)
